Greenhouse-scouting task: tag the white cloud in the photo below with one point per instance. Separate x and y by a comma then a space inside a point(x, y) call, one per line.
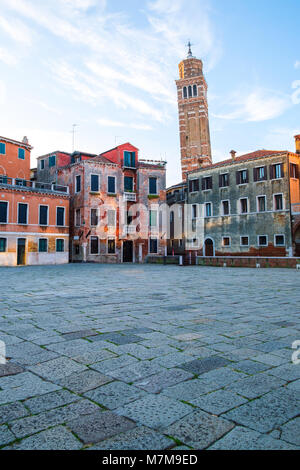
point(281, 138)
point(296, 94)
point(111, 123)
point(7, 57)
point(258, 105)
point(16, 29)
point(297, 64)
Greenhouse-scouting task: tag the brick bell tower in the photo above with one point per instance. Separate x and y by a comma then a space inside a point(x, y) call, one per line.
point(193, 115)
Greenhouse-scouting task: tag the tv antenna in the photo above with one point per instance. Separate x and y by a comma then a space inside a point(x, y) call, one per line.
point(73, 131)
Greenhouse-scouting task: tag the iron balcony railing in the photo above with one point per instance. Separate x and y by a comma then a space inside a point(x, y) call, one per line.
point(33, 185)
point(129, 197)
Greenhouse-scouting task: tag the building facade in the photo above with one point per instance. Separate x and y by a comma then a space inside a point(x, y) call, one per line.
point(194, 131)
point(114, 209)
point(34, 216)
point(244, 206)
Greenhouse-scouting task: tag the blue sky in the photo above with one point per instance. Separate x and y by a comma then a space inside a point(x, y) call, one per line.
point(109, 66)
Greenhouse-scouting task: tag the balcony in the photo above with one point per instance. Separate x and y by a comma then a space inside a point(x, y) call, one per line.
point(26, 185)
point(129, 229)
point(129, 197)
point(295, 208)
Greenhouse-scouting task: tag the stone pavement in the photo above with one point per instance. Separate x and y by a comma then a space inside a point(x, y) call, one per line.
point(149, 357)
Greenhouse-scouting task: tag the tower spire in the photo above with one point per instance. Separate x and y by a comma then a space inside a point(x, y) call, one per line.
point(190, 55)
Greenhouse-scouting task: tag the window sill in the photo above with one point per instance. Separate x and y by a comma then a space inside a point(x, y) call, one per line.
point(111, 194)
point(153, 196)
point(94, 192)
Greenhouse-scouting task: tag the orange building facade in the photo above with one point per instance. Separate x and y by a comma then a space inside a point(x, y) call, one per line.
point(34, 216)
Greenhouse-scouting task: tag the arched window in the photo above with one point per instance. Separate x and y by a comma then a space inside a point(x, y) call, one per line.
point(190, 91)
point(195, 90)
point(184, 92)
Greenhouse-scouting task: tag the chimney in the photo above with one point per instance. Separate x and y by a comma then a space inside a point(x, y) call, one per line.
point(233, 154)
point(25, 140)
point(297, 142)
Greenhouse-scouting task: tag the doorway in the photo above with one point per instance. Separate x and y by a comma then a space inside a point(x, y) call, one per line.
point(209, 247)
point(128, 251)
point(21, 251)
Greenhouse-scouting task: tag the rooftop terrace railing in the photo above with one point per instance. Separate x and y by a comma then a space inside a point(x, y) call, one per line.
point(32, 185)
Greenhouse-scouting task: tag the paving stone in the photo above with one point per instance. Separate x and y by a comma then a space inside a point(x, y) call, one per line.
point(57, 438)
point(245, 439)
point(83, 381)
point(222, 377)
point(115, 394)
point(268, 412)
point(270, 346)
point(138, 331)
point(291, 431)
point(118, 338)
point(22, 386)
point(12, 411)
point(155, 411)
point(270, 359)
point(10, 369)
point(189, 391)
point(136, 371)
point(199, 429)
point(5, 435)
point(156, 383)
point(172, 360)
point(51, 400)
point(219, 402)
point(57, 368)
point(114, 363)
point(23, 349)
point(188, 337)
point(200, 366)
point(99, 426)
point(256, 385)
point(139, 438)
point(286, 372)
point(79, 334)
point(250, 367)
point(294, 385)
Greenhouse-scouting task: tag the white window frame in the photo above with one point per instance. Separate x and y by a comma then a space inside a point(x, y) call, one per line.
point(192, 180)
point(279, 235)
point(56, 245)
point(98, 250)
point(76, 176)
point(229, 207)
point(274, 202)
point(266, 173)
point(111, 176)
point(244, 236)
point(43, 238)
point(223, 245)
point(157, 215)
point(274, 165)
point(61, 207)
point(157, 192)
point(75, 212)
point(44, 225)
point(6, 244)
point(7, 212)
point(95, 174)
point(27, 214)
point(240, 206)
point(240, 171)
point(257, 204)
point(97, 213)
point(152, 238)
point(211, 205)
point(267, 244)
point(192, 210)
point(111, 254)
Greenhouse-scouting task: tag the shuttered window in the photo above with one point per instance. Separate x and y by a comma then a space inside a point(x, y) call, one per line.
point(3, 212)
point(152, 185)
point(223, 180)
point(43, 245)
point(129, 159)
point(242, 177)
point(153, 245)
point(206, 183)
point(260, 173)
point(22, 214)
point(2, 148)
point(193, 186)
point(60, 245)
point(128, 184)
point(60, 216)
point(294, 170)
point(3, 243)
point(94, 217)
point(43, 216)
point(111, 185)
point(52, 161)
point(276, 171)
point(111, 218)
point(95, 183)
point(78, 184)
point(94, 245)
point(21, 154)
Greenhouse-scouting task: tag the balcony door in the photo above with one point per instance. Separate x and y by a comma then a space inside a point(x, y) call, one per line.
point(128, 251)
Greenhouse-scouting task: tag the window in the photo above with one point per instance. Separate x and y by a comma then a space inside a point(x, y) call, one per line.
point(76, 249)
point(206, 183)
point(43, 245)
point(225, 208)
point(22, 213)
point(261, 203)
point(111, 246)
point(242, 177)
point(21, 154)
point(294, 170)
point(111, 218)
point(226, 241)
point(3, 212)
point(153, 218)
point(60, 216)
point(77, 184)
point(52, 161)
point(262, 240)
point(2, 148)
point(129, 159)
point(77, 218)
point(152, 185)
point(194, 211)
point(60, 245)
point(276, 171)
point(260, 173)
point(184, 92)
point(153, 245)
point(43, 216)
point(111, 184)
point(128, 184)
point(95, 183)
point(224, 180)
point(244, 205)
point(190, 91)
point(94, 246)
point(193, 186)
point(195, 90)
point(208, 209)
point(42, 164)
point(279, 240)
point(244, 241)
point(3, 243)
point(94, 217)
point(278, 202)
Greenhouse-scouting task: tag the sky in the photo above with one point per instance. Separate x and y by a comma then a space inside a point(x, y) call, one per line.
point(110, 67)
